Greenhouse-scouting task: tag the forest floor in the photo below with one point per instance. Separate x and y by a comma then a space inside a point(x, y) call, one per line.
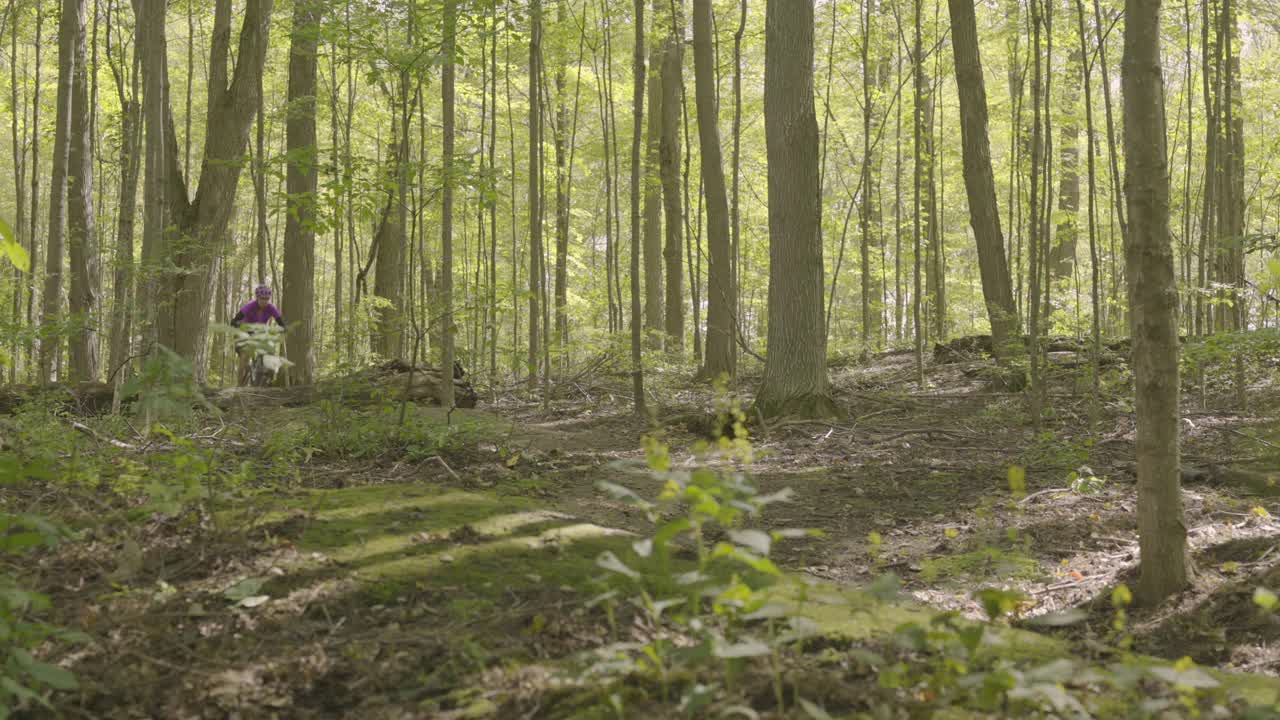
point(446, 574)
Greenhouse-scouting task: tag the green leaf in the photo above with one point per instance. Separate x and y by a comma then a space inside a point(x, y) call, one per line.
point(246, 588)
point(53, 676)
point(1265, 599)
point(11, 249)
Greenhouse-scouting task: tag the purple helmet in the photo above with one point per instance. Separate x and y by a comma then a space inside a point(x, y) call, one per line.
point(262, 292)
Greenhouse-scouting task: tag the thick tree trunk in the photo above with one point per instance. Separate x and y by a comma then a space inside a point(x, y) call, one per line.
point(300, 223)
point(151, 47)
point(653, 311)
point(388, 338)
point(68, 31)
point(672, 203)
point(979, 179)
point(795, 376)
point(1153, 302)
point(200, 223)
point(82, 234)
point(721, 356)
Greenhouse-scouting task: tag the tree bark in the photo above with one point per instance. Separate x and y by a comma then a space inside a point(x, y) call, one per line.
point(672, 203)
point(720, 357)
point(300, 223)
point(979, 180)
point(82, 234)
point(637, 134)
point(653, 311)
point(51, 309)
point(120, 348)
point(200, 223)
point(795, 376)
point(1153, 302)
point(450, 30)
point(1062, 254)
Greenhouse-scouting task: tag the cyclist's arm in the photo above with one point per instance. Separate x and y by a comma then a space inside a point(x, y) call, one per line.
point(239, 318)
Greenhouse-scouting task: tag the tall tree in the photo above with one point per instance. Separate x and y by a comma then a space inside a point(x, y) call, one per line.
point(979, 179)
point(199, 222)
point(130, 165)
point(653, 312)
point(1062, 254)
point(637, 137)
point(1153, 303)
point(535, 186)
point(795, 375)
point(720, 357)
point(69, 29)
point(672, 201)
point(82, 240)
point(300, 222)
point(450, 32)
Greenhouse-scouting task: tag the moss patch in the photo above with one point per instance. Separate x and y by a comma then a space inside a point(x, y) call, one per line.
point(983, 563)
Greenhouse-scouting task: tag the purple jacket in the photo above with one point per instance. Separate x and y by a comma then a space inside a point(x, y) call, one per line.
point(255, 315)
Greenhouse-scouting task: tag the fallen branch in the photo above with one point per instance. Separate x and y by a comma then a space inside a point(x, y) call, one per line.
point(86, 430)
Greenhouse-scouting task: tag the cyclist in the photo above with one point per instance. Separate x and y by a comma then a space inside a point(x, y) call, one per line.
point(258, 312)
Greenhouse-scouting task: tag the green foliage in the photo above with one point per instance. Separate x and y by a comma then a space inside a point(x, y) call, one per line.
point(165, 388)
point(24, 679)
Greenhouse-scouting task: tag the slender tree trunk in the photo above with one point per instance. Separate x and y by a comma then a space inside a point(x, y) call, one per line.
point(1035, 238)
point(1162, 534)
point(1095, 287)
point(151, 46)
point(721, 356)
point(19, 186)
point(493, 203)
point(637, 134)
point(669, 155)
point(918, 129)
point(795, 376)
point(535, 187)
point(82, 233)
point(562, 197)
point(735, 208)
point(34, 235)
point(130, 157)
point(1062, 253)
point(984, 212)
point(864, 203)
point(449, 40)
point(68, 30)
point(653, 296)
point(300, 223)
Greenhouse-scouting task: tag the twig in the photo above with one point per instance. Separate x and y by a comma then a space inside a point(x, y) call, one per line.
point(1034, 495)
point(86, 430)
point(445, 465)
point(1251, 437)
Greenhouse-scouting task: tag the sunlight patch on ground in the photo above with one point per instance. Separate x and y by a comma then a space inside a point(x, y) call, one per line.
point(491, 527)
point(415, 565)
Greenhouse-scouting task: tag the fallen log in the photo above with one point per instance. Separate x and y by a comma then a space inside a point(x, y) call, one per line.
point(389, 382)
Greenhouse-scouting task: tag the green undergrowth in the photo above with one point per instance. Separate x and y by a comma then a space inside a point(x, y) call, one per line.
point(984, 563)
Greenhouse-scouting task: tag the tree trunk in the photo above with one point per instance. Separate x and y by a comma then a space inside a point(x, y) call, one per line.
point(1153, 299)
point(979, 180)
point(1062, 254)
point(917, 147)
point(449, 40)
point(300, 223)
point(795, 376)
point(82, 235)
point(669, 155)
point(535, 186)
point(200, 223)
point(653, 311)
point(19, 186)
point(721, 356)
point(637, 135)
point(51, 343)
point(130, 162)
